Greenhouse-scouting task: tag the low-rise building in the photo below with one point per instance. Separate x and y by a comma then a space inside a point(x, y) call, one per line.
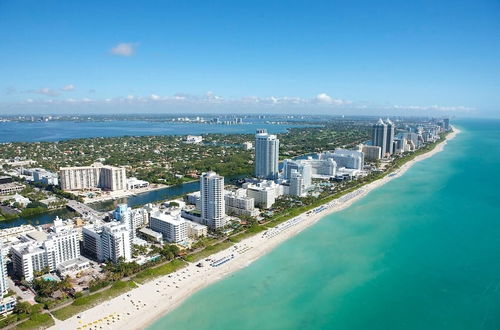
point(194, 198)
point(151, 235)
point(349, 159)
point(247, 145)
point(72, 267)
point(193, 139)
point(196, 230)
point(21, 200)
point(134, 183)
point(10, 188)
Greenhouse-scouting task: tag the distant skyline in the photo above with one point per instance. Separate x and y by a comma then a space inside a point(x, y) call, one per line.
point(438, 58)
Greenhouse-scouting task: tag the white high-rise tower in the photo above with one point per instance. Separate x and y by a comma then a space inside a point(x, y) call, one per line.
point(3, 271)
point(266, 155)
point(213, 210)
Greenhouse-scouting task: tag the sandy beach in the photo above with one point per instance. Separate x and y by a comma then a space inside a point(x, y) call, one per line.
point(140, 307)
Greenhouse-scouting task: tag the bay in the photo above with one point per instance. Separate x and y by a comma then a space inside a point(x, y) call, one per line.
point(63, 130)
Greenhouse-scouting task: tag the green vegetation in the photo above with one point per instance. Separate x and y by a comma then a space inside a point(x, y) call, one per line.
point(32, 314)
point(164, 269)
point(168, 160)
point(37, 321)
point(85, 302)
point(46, 288)
point(207, 251)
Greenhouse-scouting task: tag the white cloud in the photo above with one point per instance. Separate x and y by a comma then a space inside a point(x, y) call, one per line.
point(458, 108)
point(327, 99)
point(45, 91)
point(68, 88)
point(319, 103)
point(124, 49)
point(324, 98)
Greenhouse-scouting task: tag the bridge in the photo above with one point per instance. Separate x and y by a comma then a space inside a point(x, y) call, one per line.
point(82, 209)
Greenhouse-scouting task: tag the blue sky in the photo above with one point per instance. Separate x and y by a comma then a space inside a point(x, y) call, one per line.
point(366, 57)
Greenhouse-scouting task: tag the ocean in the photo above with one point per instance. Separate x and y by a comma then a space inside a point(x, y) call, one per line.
point(421, 252)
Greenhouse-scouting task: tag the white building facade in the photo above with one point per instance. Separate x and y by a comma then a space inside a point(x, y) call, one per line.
point(213, 211)
point(32, 256)
point(91, 177)
point(266, 155)
point(173, 228)
point(107, 242)
point(238, 203)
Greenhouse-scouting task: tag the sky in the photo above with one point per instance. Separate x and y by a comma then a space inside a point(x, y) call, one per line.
point(332, 57)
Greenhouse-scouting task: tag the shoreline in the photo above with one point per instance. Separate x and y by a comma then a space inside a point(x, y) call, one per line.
point(143, 306)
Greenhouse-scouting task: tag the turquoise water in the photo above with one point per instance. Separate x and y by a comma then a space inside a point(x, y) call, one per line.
point(421, 252)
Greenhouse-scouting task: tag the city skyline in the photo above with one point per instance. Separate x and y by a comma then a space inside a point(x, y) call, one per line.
point(362, 58)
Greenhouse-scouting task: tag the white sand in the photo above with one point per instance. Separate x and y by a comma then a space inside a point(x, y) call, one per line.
point(140, 307)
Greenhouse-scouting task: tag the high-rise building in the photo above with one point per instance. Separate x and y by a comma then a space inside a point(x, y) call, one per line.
point(107, 242)
point(173, 228)
point(6, 303)
point(57, 247)
point(446, 122)
point(379, 136)
point(389, 145)
point(134, 218)
point(303, 167)
point(90, 177)
point(3, 271)
point(213, 211)
point(372, 153)
point(266, 155)
point(296, 187)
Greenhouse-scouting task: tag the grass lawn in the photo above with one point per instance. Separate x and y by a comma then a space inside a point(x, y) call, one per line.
point(151, 273)
point(86, 302)
point(37, 321)
point(208, 251)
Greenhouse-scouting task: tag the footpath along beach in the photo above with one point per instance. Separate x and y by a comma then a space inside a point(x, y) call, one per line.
point(141, 306)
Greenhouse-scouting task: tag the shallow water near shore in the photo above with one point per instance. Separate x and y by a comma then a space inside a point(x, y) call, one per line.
point(420, 252)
